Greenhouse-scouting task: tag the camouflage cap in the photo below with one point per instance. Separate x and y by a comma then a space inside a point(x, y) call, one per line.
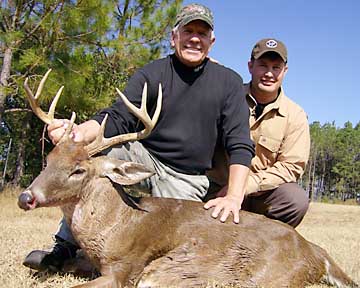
point(193, 12)
point(269, 45)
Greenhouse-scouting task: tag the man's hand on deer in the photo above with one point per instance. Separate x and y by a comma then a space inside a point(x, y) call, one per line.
point(224, 206)
point(57, 128)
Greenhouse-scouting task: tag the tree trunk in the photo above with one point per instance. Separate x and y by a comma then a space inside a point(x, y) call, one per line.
point(308, 188)
point(4, 77)
point(4, 178)
point(19, 170)
point(20, 161)
point(313, 180)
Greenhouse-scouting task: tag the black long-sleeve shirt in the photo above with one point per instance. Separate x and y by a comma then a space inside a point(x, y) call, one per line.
point(200, 106)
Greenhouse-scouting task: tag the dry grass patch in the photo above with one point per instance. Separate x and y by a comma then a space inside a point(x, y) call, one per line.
point(22, 232)
point(334, 227)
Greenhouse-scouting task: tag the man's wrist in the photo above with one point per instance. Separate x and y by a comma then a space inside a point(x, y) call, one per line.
point(236, 196)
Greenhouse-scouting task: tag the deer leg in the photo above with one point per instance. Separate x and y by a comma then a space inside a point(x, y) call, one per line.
point(113, 277)
point(107, 281)
point(80, 266)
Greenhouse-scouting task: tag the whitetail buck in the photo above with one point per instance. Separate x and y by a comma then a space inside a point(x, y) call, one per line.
point(158, 242)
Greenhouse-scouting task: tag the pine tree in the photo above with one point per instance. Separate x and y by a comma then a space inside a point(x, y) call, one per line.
point(334, 165)
point(92, 46)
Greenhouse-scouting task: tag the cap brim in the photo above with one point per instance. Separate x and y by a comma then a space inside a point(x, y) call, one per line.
point(199, 17)
point(272, 51)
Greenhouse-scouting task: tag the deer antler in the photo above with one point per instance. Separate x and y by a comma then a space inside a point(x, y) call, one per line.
point(46, 118)
point(101, 143)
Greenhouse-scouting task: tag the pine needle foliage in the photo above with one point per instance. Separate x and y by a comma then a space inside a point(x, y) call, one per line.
point(92, 46)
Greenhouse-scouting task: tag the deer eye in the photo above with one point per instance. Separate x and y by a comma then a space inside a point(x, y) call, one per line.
point(77, 172)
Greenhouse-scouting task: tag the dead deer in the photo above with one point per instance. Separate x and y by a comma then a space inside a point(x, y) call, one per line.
point(158, 242)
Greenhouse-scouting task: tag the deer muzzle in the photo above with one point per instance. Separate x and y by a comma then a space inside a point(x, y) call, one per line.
point(27, 201)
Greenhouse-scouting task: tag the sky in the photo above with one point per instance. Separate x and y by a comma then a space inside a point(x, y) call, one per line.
point(323, 42)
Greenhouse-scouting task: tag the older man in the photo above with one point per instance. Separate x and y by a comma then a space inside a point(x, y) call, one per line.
point(203, 102)
point(280, 130)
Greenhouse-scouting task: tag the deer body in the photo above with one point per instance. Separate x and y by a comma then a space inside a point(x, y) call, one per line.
point(158, 242)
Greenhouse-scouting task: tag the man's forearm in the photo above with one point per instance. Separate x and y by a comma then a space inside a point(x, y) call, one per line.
point(238, 175)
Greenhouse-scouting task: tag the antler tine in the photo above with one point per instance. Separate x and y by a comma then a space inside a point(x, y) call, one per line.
point(141, 112)
point(96, 146)
point(54, 103)
point(101, 143)
point(41, 85)
point(46, 118)
point(68, 130)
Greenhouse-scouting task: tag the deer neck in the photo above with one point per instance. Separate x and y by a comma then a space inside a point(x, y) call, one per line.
point(101, 203)
point(68, 211)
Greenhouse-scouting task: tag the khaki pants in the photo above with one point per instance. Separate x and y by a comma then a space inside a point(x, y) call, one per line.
point(166, 182)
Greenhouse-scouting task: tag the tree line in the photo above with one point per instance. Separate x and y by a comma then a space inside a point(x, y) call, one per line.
point(94, 46)
point(334, 163)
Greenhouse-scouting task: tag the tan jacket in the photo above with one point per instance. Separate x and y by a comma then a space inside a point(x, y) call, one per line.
point(282, 139)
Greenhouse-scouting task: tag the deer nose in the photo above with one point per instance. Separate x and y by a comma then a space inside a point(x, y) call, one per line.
point(26, 200)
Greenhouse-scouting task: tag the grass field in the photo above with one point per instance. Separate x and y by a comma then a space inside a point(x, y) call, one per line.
point(334, 227)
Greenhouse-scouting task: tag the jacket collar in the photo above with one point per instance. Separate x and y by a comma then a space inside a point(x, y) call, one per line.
point(278, 104)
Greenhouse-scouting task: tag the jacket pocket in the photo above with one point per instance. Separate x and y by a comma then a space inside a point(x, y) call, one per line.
point(270, 144)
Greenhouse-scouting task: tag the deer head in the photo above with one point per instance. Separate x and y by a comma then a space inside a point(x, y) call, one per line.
point(70, 165)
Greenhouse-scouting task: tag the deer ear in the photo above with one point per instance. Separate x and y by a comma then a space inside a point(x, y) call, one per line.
point(127, 173)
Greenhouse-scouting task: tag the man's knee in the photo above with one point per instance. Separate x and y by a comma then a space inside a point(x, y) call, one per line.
point(288, 203)
point(295, 196)
point(302, 206)
point(293, 203)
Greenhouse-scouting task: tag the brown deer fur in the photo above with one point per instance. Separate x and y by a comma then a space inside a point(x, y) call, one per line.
point(158, 242)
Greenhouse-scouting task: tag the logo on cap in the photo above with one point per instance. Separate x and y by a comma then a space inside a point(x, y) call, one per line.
point(271, 43)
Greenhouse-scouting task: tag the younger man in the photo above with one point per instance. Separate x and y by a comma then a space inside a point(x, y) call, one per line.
point(280, 130)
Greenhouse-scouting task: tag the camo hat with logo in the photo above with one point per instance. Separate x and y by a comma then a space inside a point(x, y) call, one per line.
point(193, 12)
point(269, 45)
